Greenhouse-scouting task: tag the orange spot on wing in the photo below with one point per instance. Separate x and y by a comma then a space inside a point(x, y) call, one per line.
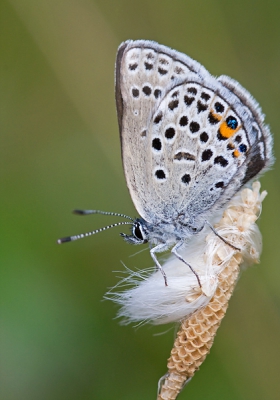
point(236, 153)
point(216, 116)
point(227, 132)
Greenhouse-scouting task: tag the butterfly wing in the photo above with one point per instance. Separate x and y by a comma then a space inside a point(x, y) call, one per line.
point(206, 142)
point(145, 72)
point(189, 141)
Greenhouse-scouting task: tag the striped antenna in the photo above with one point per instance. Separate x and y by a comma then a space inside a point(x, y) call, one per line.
point(87, 212)
point(82, 235)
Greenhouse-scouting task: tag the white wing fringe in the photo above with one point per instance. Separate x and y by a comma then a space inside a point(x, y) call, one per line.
point(149, 300)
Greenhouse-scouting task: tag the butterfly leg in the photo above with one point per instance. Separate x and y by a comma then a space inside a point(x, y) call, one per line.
point(224, 240)
point(159, 249)
point(174, 251)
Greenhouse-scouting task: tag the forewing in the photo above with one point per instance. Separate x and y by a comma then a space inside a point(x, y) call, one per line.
point(145, 72)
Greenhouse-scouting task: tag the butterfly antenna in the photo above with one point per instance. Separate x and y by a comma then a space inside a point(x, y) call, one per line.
point(87, 212)
point(82, 235)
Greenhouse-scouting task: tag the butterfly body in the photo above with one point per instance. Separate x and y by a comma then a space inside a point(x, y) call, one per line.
point(161, 232)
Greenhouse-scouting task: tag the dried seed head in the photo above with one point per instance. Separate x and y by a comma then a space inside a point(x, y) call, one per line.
point(196, 334)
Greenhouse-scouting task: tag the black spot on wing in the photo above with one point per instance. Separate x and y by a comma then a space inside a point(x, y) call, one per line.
point(158, 118)
point(147, 90)
point(230, 146)
point(184, 120)
point(148, 66)
point(243, 148)
point(232, 122)
point(238, 139)
point(212, 119)
point(206, 155)
point(160, 174)
point(219, 107)
point(133, 66)
point(192, 90)
point(173, 104)
point(144, 133)
point(223, 162)
point(204, 137)
point(182, 155)
point(194, 127)
point(156, 143)
point(201, 107)
point(135, 92)
point(205, 96)
point(188, 100)
point(157, 93)
point(162, 71)
point(170, 133)
point(150, 56)
point(186, 179)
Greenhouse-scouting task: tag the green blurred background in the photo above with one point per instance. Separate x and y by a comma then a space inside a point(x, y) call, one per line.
point(60, 150)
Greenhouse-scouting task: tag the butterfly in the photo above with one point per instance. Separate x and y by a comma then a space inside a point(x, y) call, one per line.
point(189, 142)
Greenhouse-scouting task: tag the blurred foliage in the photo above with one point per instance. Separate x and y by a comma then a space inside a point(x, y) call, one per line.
point(60, 150)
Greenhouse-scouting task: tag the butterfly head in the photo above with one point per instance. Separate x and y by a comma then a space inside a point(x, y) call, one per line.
point(140, 233)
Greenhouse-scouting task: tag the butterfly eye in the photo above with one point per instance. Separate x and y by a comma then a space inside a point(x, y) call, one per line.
point(137, 232)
